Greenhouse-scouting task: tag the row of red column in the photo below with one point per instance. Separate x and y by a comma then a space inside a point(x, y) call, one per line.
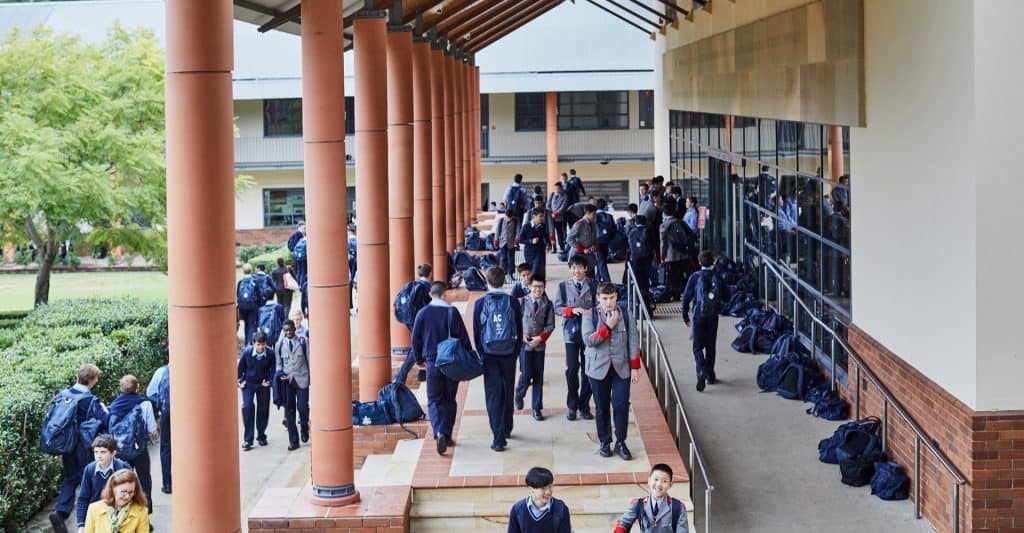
point(418, 181)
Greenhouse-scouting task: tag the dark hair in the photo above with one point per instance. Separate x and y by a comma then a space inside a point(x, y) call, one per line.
point(558, 185)
point(641, 220)
point(538, 279)
point(261, 267)
point(633, 208)
point(280, 261)
point(572, 171)
point(536, 189)
point(602, 204)
point(424, 270)
point(655, 194)
point(706, 258)
point(87, 373)
point(578, 260)
point(437, 289)
point(288, 323)
point(645, 184)
point(104, 440)
point(495, 276)
point(537, 211)
point(524, 267)
point(259, 337)
point(669, 209)
point(764, 168)
point(662, 467)
point(518, 178)
point(693, 200)
point(539, 477)
point(607, 288)
point(590, 208)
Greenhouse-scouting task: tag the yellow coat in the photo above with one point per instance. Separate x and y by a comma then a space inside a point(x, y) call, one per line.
point(97, 521)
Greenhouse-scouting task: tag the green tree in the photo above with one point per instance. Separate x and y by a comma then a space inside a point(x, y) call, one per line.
point(82, 143)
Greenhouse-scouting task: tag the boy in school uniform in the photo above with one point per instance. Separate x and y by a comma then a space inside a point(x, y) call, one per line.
point(575, 296)
point(497, 332)
point(255, 371)
point(96, 474)
point(540, 512)
point(292, 361)
point(522, 286)
point(702, 290)
point(538, 324)
point(534, 236)
point(657, 512)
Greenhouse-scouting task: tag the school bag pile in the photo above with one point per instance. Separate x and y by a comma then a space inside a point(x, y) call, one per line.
point(857, 449)
point(468, 270)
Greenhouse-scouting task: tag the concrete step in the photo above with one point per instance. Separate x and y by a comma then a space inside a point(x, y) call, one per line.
point(387, 470)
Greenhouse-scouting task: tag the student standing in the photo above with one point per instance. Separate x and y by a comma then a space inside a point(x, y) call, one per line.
point(292, 359)
point(582, 238)
point(538, 324)
point(122, 406)
point(297, 245)
point(557, 204)
point(497, 335)
point(255, 370)
point(702, 289)
point(284, 295)
point(691, 216)
point(159, 391)
point(435, 323)
point(534, 238)
point(505, 232)
point(657, 512)
point(522, 286)
point(613, 361)
point(517, 201)
point(96, 474)
point(575, 296)
point(672, 256)
point(249, 299)
point(540, 512)
point(87, 407)
point(576, 187)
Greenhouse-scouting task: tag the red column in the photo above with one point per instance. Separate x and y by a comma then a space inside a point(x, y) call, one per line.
point(449, 153)
point(437, 146)
point(201, 294)
point(476, 139)
point(400, 178)
point(467, 143)
point(422, 184)
point(551, 131)
point(373, 318)
point(458, 112)
point(323, 136)
point(835, 148)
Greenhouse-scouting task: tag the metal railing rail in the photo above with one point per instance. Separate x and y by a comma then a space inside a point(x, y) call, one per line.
point(666, 389)
point(861, 371)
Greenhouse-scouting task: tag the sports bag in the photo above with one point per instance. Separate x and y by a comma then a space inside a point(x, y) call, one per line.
point(400, 404)
point(770, 371)
point(248, 294)
point(889, 481)
point(797, 379)
point(708, 302)
point(827, 404)
point(744, 343)
point(498, 325)
point(455, 360)
point(858, 442)
point(413, 297)
point(59, 434)
point(827, 447)
point(858, 471)
point(474, 279)
point(369, 413)
point(463, 261)
point(130, 433)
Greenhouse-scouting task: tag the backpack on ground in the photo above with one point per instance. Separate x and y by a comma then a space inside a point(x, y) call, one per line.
point(606, 228)
point(563, 256)
point(455, 360)
point(473, 240)
point(661, 294)
point(488, 261)
point(889, 481)
point(456, 280)
point(271, 321)
point(499, 328)
point(827, 447)
point(708, 301)
point(59, 434)
point(858, 471)
point(474, 279)
point(618, 248)
point(130, 433)
point(462, 261)
point(827, 404)
point(400, 404)
point(797, 379)
point(857, 442)
point(641, 516)
point(639, 247)
point(770, 371)
point(414, 296)
point(491, 242)
point(369, 413)
point(786, 343)
point(744, 342)
point(248, 294)
point(299, 253)
point(681, 237)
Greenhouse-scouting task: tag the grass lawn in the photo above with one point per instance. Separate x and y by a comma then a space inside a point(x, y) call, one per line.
point(18, 289)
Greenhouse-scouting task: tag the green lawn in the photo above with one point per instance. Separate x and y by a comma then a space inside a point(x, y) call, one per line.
point(18, 289)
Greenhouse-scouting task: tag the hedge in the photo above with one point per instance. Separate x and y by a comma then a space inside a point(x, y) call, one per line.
point(246, 253)
point(269, 259)
point(40, 357)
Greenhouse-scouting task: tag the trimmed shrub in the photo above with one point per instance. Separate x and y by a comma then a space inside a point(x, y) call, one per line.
point(269, 259)
point(40, 357)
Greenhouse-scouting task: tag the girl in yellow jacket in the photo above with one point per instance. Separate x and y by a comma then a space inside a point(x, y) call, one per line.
point(121, 508)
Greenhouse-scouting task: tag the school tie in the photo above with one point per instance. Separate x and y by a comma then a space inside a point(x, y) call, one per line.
point(654, 507)
point(579, 287)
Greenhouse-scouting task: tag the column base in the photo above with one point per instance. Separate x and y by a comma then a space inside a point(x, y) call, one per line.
point(335, 496)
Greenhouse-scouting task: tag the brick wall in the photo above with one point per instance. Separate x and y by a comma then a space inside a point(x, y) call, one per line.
point(331, 525)
point(251, 237)
point(987, 448)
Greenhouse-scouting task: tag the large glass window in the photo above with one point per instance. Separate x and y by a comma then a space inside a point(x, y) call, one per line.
point(593, 110)
point(282, 117)
point(350, 115)
point(530, 112)
point(283, 207)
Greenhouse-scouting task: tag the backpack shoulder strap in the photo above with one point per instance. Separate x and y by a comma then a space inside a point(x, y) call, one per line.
point(677, 511)
point(638, 511)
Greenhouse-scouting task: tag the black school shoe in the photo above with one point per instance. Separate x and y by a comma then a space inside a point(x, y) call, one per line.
point(293, 447)
point(712, 379)
point(498, 447)
point(585, 415)
point(262, 441)
point(519, 404)
point(623, 451)
point(442, 444)
point(304, 434)
point(605, 450)
point(246, 446)
point(57, 521)
point(571, 415)
point(165, 490)
point(537, 415)
point(700, 383)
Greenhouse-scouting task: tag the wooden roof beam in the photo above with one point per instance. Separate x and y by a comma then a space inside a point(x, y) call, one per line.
point(459, 19)
point(522, 11)
point(486, 20)
point(539, 9)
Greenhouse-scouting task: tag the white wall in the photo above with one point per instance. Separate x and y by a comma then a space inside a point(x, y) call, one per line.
point(1000, 260)
point(912, 177)
point(249, 118)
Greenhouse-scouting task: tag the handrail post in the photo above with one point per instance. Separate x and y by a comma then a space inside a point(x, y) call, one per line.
point(692, 471)
point(885, 422)
point(707, 510)
point(956, 507)
point(833, 352)
point(917, 477)
point(796, 320)
point(856, 395)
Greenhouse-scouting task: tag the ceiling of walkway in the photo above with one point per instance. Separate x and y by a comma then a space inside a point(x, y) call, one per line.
point(468, 25)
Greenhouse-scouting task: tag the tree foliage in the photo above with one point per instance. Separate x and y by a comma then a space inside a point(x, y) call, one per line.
point(82, 143)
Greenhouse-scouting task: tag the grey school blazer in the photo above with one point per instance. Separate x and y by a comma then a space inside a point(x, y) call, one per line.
point(616, 351)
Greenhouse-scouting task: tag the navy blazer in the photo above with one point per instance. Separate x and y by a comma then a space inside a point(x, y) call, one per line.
point(517, 317)
point(92, 487)
point(255, 371)
point(530, 232)
point(431, 327)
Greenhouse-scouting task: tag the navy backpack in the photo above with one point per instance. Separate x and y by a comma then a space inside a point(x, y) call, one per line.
point(400, 404)
point(797, 379)
point(462, 261)
point(606, 228)
point(248, 294)
point(455, 360)
point(271, 320)
point(889, 481)
point(709, 298)
point(474, 279)
point(639, 247)
point(828, 447)
point(498, 325)
point(130, 433)
point(299, 253)
point(827, 404)
point(369, 413)
point(59, 434)
point(413, 297)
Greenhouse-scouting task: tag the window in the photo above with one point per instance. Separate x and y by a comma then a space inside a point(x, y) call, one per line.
point(530, 112)
point(282, 117)
point(646, 110)
point(616, 192)
point(283, 207)
point(350, 115)
point(592, 110)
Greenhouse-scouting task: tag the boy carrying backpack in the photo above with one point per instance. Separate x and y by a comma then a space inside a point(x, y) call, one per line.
point(657, 512)
point(132, 423)
point(497, 335)
point(704, 291)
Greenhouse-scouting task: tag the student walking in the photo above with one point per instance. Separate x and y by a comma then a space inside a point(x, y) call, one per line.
point(497, 332)
point(159, 391)
point(505, 232)
point(297, 247)
point(435, 323)
point(517, 201)
point(249, 299)
point(128, 406)
point(283, 293)
point(96, 474)
point(540, 512)
point(292, 354)
point(87, 408)
point(575, 297)
point(702, 289)
point(121, 508)
point(657, 512)
point(534, 238)
point(538, 325)
point(413, 296)
point(255, 372)
point(613, 361)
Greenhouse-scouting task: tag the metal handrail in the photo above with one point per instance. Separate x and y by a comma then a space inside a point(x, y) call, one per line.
point(664, 381)
point(887, 398)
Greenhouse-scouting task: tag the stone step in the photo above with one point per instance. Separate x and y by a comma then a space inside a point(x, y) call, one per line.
point(581, 523)
point(388, 470)
point(583, 500)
